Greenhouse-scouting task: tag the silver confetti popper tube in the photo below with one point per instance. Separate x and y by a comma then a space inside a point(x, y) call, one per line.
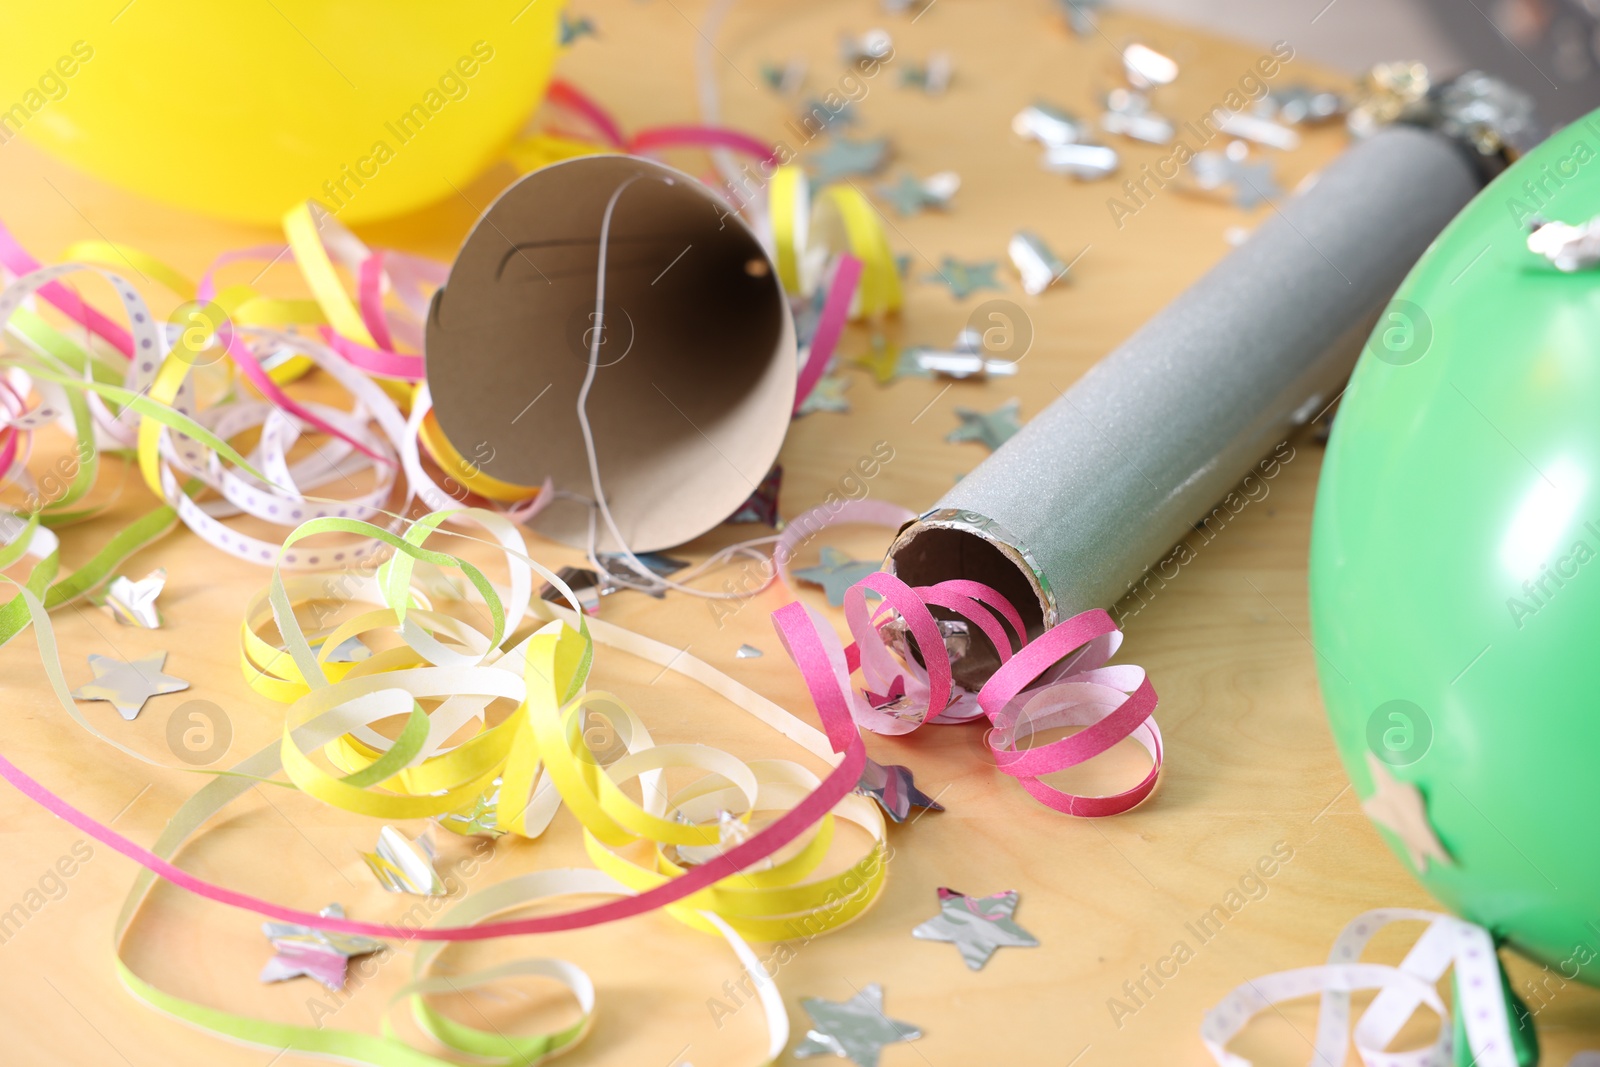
point(1095, 490)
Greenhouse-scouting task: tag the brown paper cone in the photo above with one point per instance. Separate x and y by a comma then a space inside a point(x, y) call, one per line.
point(696, 372)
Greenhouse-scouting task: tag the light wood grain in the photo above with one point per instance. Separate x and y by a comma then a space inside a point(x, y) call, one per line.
point(1250, 763)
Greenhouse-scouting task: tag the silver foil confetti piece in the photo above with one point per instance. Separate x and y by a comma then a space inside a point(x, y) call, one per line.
point(1146, 68)
point(302, 950)
point(964, 278)
point(962, 364)
point(895, 790)
point(1261, 131)
point(911, 194)
point(836, 572)
point(481, 819)
point(868, 48)
point(786, 79)
point(1252, 182)
point(1129, 114)
point(844, 158)
point(731, 831)
point(350, 650)
point(1300, 105)
point(762, 505)
point(1039, 267)
point(620, 572)
point(127, 685)
point(989, 428)
point(1085, 161)
point(893, 698)
point(855, 1029)
point(586, 585)
point(1048, 124)
point(826, 395)
point(932, 77)
point(133, 603)
point(956, 633)
point(1080, 15)
point(976, 925)
point(402, 865)
point(749, 652)
point(1568, 248)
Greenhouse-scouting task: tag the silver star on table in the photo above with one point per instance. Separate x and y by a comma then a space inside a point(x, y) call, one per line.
point(827, 395)
point(1079, 15)
point(836, 573)
point(964, 279)
point(844, 157)
point(894, 789)
point(990, 429)
point(912, 194)
point(855, 1029)
point(317, 954)
point(976, 925)
point(1252, 182)
point(128, 685)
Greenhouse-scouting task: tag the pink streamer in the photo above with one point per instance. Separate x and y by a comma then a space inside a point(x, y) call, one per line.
point(830, 325)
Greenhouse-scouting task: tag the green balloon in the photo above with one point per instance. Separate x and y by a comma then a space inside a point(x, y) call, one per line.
point(1455, 561)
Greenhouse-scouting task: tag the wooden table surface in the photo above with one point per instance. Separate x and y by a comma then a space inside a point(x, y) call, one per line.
point(1250, 766)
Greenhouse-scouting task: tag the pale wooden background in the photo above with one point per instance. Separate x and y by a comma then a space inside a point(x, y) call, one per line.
point(1250, 762)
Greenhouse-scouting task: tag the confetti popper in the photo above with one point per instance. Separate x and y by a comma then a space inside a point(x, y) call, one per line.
point(1072, 511)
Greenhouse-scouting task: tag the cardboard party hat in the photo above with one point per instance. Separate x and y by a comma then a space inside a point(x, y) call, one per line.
point(695, 368)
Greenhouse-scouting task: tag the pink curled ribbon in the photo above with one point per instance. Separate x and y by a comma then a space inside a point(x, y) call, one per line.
point(1059, 679)
point(830, 326)
point(565, 95)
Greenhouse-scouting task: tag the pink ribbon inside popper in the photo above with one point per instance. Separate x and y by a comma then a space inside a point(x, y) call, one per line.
point(1057, 680)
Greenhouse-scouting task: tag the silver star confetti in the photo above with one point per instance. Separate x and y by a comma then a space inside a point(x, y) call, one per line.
point(966, 361)
point(1146, 68)
point(1049, 125)
point(827, 395)
point(893, 787)
point(134, 603)
point(932, 77)
point(976, 925)
point(990, 429)
point(1130, 115)
point(619, 572)
point(867, 48)
point(572, 29)
point(762, 506)
point(402, 865)
point(585, 585)
point(749, 652)
point(964, 279)
point(1252, 182)
point(482, 819)
point(855, 1029)
point(127, 685)
point(731, 831)
point(1039, 267)
point(1079, 14)
point(912, 194)
point(1300, 105)
point(844, 157)
point(836, 573)
point(1086, 161)
point(787, 79)
point(888, 361)
point(1261, 131)
point(302, 950)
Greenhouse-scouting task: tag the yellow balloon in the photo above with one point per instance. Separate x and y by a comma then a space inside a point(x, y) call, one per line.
point(240, 110)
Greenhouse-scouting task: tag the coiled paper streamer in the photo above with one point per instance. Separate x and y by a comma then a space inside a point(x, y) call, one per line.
point(1447, 942)
point(1059, 679)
